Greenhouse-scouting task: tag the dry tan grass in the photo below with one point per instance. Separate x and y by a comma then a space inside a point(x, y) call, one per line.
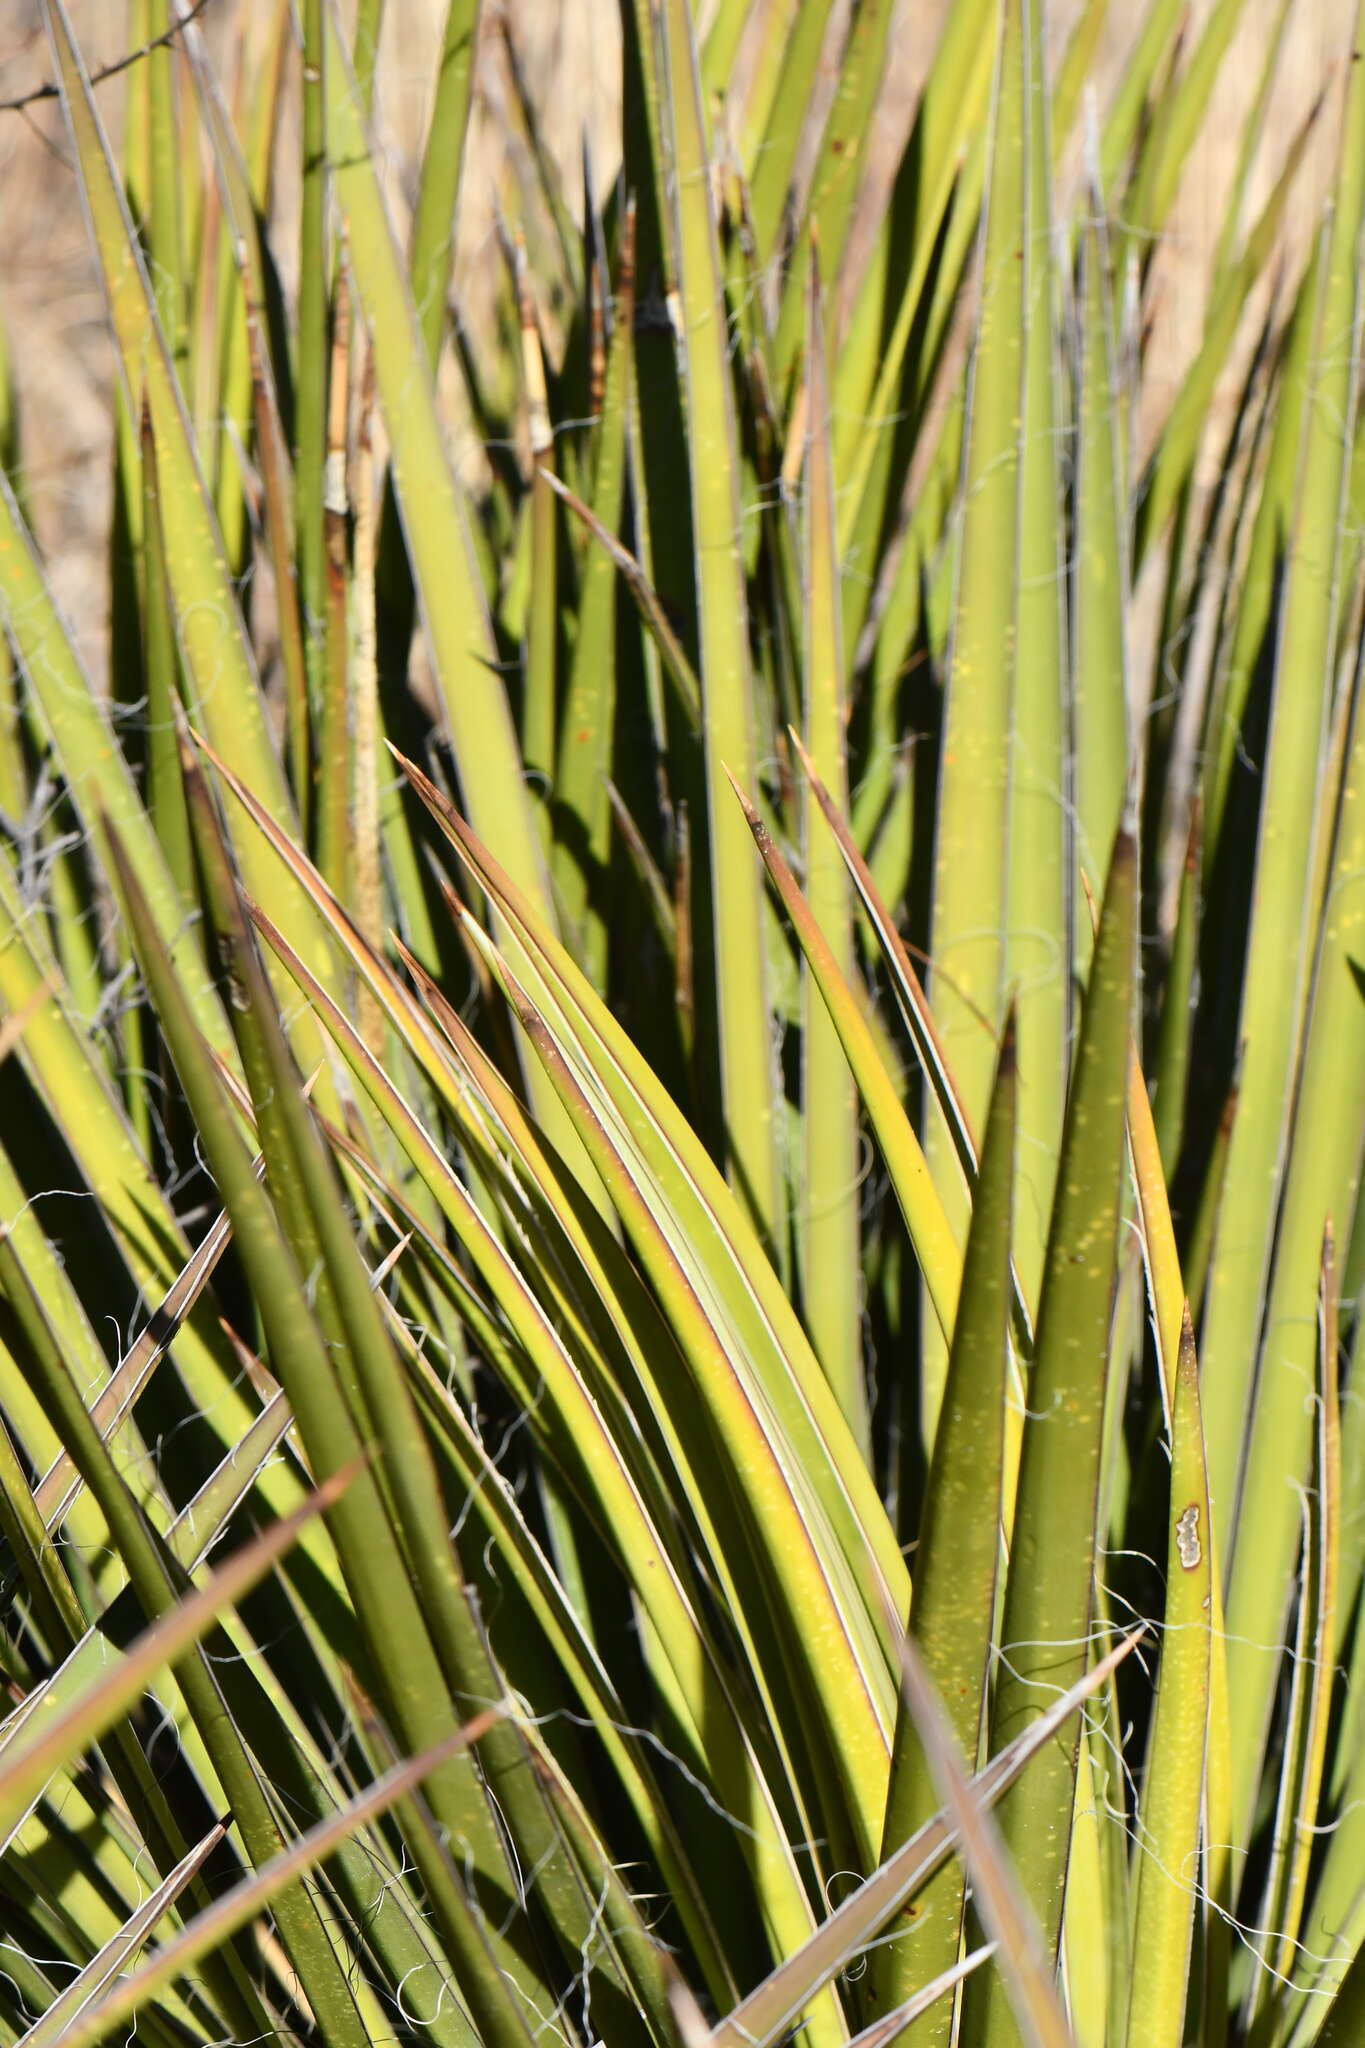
point(50, 299)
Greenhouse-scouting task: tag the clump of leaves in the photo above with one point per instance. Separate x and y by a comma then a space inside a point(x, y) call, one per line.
point(697, 1049)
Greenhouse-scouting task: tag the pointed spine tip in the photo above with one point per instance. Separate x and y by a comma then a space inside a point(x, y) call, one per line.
point(1007, 1064)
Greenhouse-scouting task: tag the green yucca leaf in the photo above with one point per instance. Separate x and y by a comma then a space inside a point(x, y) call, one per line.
point(1123, 121)
point(1025, 1966)
point(970, 912)
point(772, 156)
point(587, 726)
point(476, 1478)
point(388, 603)
point(1094, 1922)
point(136, 156)
point(336, 775)
point(1101, 745)
point(919, 1023)
point(844, 148)
point(434, 216)
point(1041, 858)
point(219, 665)
point(280, 535)
point(165, 796)
point(1311, 1684)
point(1050, 1588)
point(365, 55)
point(633, 1960)
point(1347, 2009)
point(26, 1418)
point(929, 392)
point(1171, 1066)
point(91, 1121)
point(1325, 1982)
point(969, 862)
point(226, 378)
point(721, 42)
point(539, 704)
point(1246, 636)
point(166, 228)
point(1166, 1906)
point(956, 1562)
point(69, 892)
point(79, 1914)
point(320, 58)
point(910, 998)
point(659, 442)
point(1177, 122)
point(931, 1235)
point(827, 1217)
point(896, 2022)
point(547, 1608)
point(673, 657)
point(495, 2001)
point(199, 1524)
point(1160, 1252)
point(54, 1605)
point(1253, 130)
point(252, 386)
point(1073, 73)
point(734, 890)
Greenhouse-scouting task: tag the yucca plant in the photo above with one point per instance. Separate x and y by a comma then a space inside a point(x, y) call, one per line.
point(725, 1110)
